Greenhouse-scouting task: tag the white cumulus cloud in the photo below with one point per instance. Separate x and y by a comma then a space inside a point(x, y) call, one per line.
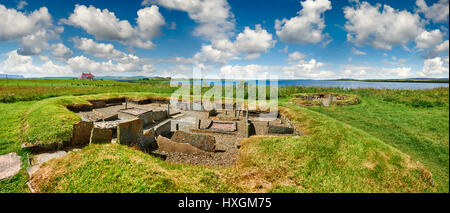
point(435, 67)
point(307, 27)
point(104, 25)
point(381, 26)
point(214, 17)
point(32, 30)
point(250, 43)
point(437, 12)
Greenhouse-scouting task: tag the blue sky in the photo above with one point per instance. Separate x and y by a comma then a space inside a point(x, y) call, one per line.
point(309, 39)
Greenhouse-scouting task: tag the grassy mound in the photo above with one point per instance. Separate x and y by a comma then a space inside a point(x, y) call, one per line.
point(332, 157)
point(116, 168)
point(420, 132)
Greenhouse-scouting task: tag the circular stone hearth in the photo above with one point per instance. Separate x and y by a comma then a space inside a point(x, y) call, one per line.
point(325, 99)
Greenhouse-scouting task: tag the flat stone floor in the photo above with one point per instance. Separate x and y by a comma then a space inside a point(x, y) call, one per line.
point(10, 165)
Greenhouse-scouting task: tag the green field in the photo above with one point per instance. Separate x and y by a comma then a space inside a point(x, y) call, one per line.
point(394, 141)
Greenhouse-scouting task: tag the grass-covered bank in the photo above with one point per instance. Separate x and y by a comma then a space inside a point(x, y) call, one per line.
point(419, 131)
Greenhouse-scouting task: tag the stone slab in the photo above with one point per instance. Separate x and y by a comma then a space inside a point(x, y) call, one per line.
point(163, 128)
point(82, 133)
point(168, 145)
point(149, 140)
point(38, 160)
point(10, 165)
point(130, 132)
point(99, 136)
point(203, 142)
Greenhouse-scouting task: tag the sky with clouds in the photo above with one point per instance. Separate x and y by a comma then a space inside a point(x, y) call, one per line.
point(294, 39)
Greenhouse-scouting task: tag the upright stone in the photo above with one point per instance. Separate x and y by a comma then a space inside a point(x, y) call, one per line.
point(130, 132)
point(99, 135)
point(168, 110)
point(246, 115)
point(81, 134)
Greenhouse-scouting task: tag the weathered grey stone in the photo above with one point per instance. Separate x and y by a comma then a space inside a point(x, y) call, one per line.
point(33, 169)
point(147, 118)
point(82, 133)
point(38, 160)
point(168, 145)
point(99, 135)
point(159, 115)
point(130, 132)
point(30, 187)
point(261, 127)
point(149, 140)
point(44, 157)
point(203, 142)
point(10, 165)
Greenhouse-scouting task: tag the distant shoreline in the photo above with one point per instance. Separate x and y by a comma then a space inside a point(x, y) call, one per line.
point(402, 80)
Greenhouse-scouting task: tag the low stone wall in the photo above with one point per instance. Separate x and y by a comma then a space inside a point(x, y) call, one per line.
point(153, 117)
point(280, 130)
point(159, 115)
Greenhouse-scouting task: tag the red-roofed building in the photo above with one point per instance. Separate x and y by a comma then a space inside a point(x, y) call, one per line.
point(87, 76)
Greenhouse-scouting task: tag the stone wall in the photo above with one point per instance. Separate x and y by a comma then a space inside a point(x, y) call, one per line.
point(280, 130)
point(153, 117)
point(286, 120)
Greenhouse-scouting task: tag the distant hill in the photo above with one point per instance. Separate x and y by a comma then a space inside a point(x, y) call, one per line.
point(405, 80)
point(11, 76)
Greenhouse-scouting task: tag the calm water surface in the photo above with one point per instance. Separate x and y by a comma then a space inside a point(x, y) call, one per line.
point(347, 84)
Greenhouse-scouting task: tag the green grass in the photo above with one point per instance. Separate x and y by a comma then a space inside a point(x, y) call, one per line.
point(28, 90)
point(116, 168)
point(422, 133)
point(9, 142)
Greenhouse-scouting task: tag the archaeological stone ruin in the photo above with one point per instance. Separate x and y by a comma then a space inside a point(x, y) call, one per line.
point(180, 132)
